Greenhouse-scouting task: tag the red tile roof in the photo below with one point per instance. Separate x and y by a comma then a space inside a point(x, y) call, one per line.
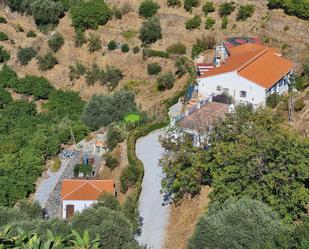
point(80, 189)
point(258, 63)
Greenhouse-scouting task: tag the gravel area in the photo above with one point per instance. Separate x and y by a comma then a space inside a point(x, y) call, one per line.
point(155, 216)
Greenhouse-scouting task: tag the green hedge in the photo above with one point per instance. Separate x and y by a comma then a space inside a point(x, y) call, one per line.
point(154, 53)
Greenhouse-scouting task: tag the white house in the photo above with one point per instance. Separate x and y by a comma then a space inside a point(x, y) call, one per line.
point(249, 74)
point(78, 194)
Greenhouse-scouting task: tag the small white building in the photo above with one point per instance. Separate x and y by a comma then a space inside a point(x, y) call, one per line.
point(249, 74)
point(78, 194)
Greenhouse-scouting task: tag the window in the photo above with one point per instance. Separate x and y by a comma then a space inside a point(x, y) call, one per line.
point(219, 88)
point(226, 90)
point(243, 94)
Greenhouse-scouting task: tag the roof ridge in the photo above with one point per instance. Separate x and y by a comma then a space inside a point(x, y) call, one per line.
point(96, 187)
point(252, 59)
point(75, 189)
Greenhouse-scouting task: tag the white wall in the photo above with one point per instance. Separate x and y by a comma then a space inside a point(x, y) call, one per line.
point(78, 206)
point(235, 83)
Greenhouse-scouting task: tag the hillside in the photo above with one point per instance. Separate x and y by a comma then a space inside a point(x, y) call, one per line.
point(291, 34)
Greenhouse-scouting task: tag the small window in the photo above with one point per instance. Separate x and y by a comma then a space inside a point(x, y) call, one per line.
point(219, 88)
point(243, 94)
point(226, 90)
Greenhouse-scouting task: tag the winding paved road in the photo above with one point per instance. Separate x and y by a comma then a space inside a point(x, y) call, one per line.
point(155, 216)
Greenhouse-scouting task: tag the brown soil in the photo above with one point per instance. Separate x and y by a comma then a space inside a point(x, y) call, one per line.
point(275, 25)
point(183, 219)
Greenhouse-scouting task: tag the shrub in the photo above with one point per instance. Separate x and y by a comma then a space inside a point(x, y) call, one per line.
point(193, 23)
point(125, 48)
point(95, 74)
point(111, 161)
point(296, 8)
point(154, 53)
point(181, 66)
point(189, 4)
point(150, 31)
point(47, 61)
point(3, 36)
point(90, 14)
point(153, 68)
point(55, 42)
point(203, 44)
point(112, 76)
point(112, 45)
point(302, 83)
point(136, 50)
point(76, 71)
point(273, 100)
point(299, 104)
point(210, 22)
point(245, 11)
point(94, 43)
point(148, 8)
point(2, 20)
point(31, 34)
point(177, 48)
point(129, 177)
point(85, 169)
point(5, 98)
point(56, 165)
point(18, 28)
point(80, 38)
point(174, 3)
point(226, 9)
point(24, 55)
point(224, 22)
point(208, 7)
point(4, 55)
point(46, 11)
point(114, 136)
point(165, 81)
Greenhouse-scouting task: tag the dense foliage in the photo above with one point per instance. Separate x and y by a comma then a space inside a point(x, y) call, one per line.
point(208, 7)
point(298, 8)
point(112, 45)
point(174, 3)
point(227, 8)
point(114, 136)
point(153, 68)
point(148, 8)
point(25, 55)
point(103, 110)
point(125, 48)
point(245, 11)
point(47, 61)
point(252, 155)
point(165, 81)
point(3, 36)
point(210, 22)
point(55, 42)
point(202, 44)
point(150, 31)
point(224, 23)
point(177, 48)
point(94, 43)
point(189, 4)
point(239, 224)
point(29, 137)
point(90, 14)
point(193, 23)
point(4, 55)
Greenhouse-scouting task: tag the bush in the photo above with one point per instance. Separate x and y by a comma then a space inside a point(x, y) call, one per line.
point(31, 34)
point(193, 23)
point(55, 42)
point(273, 100)
point(189, 4)
point(47, 61)
point(208, 7)
point(296, 8)
point(245, 11)
point(24, 55)
point(224, 22)
point(210, 22)
point(129, 177)
point(4, 55)
point(174, 3)
point(148, 8)
point(150, 31)
point(95, 74)
point(302, 83)
point(226, 9)
point(94, 43)
point(80, 38)
point(113, 76)
point(299, 104)
point(85, 169)
point(154, 53)
point(114, 136)
point(18, 28)
point(111, 161)
point(235, 225)
point(125, 48)
point(165, 81)
point(90, 14)
point(153, 68)
point(112, 45)
point(3, 36)
point(203, 44)
point(181, 66)
point(5, 98)
point(136, 50)
point(2, 20)
point(76, 71)
point(177, 48)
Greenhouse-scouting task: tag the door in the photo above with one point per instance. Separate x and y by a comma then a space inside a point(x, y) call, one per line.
point(69, 211)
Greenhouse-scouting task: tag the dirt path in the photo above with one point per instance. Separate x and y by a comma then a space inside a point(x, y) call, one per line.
point(155, 216)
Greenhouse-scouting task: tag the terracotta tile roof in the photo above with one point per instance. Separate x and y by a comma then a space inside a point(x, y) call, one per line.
point(258, 63)
point(205, 116)
point(80, 189)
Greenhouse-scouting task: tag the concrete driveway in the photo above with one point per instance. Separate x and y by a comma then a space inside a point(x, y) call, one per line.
point(155, 216)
